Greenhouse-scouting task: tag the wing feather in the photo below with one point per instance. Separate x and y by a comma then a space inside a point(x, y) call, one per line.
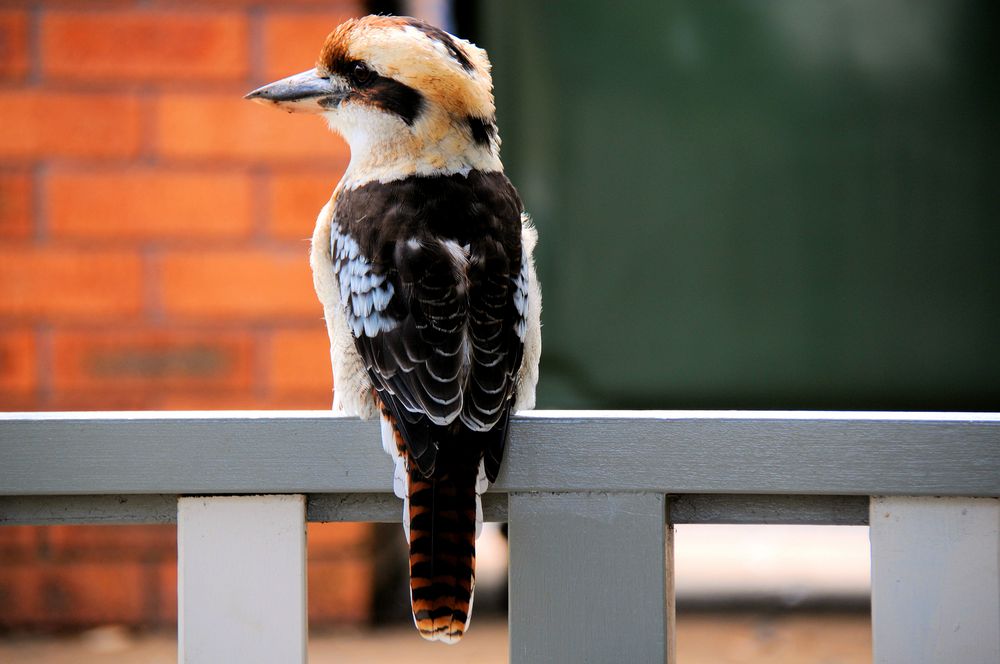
point(437, 315)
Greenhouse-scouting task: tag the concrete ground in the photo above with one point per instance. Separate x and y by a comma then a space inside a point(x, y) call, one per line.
point(702, 638)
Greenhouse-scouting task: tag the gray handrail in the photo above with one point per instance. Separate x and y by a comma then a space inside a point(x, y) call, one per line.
point(683, 452)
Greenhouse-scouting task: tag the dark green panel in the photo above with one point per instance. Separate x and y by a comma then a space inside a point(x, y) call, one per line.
point(759, 203)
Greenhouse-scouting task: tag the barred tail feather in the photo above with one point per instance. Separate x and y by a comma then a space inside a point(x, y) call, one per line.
point(442, 518)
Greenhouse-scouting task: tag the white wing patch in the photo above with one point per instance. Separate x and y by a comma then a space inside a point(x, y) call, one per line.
point(364, 294)
point(521, 296)
point(527, 377)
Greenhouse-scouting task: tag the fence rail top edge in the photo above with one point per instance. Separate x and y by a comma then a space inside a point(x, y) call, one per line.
point(562, 415)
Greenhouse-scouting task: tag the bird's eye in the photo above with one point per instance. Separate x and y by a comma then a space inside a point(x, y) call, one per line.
point(362, 74)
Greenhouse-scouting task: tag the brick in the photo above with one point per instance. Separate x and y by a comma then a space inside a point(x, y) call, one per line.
point(66, 283)
point(13, 44)
point(18, 359)
point(149, 204)
point(152, 543)
point(190, 399)
point(18, 544)
point(338, 540)
point(294, 201)
point(144, 45)
point(213, 126)
point(42, 124)
point(353, 7)
point(53, 595)
point(300, 400)
point(20, 401)
point(108, 400)
point(245, 400)
point(77, 4)
point(340, 590)
point(151, 361)
point(166, 594)
point(300, 361)
point(233, 284)
point(211, 400)
point(20, 594)
point(292, 40)
point(16, 191)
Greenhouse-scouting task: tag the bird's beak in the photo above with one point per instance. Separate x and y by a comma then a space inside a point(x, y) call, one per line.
point(307, 92)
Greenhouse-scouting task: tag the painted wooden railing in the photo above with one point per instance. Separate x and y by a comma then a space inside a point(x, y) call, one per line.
point(591, 498)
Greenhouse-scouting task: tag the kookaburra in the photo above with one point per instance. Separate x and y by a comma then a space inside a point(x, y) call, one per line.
point(423, 262)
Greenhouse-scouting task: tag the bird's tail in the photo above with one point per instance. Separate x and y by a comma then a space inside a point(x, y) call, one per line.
point(442, 515)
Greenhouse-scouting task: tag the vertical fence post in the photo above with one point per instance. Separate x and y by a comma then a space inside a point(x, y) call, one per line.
point(935, 586)
point(241, 579)
point(589, 578)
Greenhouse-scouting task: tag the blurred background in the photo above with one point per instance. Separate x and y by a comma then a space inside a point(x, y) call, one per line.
point(742, 204)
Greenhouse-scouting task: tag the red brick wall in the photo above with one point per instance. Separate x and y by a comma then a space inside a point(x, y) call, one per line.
point(153, 255)
point(76, 576)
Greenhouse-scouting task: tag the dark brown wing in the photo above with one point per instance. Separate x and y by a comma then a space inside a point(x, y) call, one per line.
point(429, 272)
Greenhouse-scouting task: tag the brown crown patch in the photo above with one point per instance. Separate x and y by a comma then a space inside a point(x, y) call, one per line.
point(335, 54)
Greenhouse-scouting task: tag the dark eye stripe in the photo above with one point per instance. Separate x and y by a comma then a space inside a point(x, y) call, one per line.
point(394, 97)
point(381, 91)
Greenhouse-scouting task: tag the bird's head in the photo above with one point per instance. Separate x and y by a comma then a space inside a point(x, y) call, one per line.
point(409, 98)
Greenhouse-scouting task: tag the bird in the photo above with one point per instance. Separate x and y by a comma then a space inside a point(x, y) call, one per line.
point(423, 261)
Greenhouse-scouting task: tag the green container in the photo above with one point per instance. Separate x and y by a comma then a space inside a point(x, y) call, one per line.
point(759, 204)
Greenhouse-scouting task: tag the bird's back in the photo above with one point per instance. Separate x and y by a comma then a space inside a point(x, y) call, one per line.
point(429, 273)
